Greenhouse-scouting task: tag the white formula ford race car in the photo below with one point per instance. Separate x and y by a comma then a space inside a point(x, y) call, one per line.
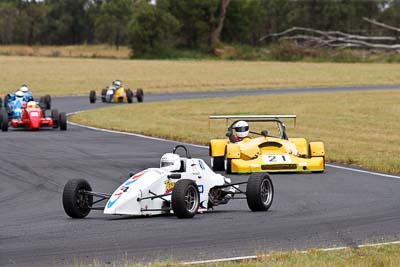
point(182, 185)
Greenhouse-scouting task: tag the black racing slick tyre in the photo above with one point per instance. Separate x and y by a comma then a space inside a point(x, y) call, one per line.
point(63, 121)
point(5, 102)
point(92, 97)
point(54, 117)
point(4, 120)
point(103, 95)
point(129, 95)
point(42, 104)
point(228, 165)
point(218, 163)
point(76, 202)
point(139, 95)
point(259, 192)
point(185, 199)
point(47, 101)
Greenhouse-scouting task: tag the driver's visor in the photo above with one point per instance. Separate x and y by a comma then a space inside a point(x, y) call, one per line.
point(242, 129)
point(165, 164)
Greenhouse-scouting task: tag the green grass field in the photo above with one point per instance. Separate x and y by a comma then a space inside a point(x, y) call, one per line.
point(359, 128)
point(77, 76)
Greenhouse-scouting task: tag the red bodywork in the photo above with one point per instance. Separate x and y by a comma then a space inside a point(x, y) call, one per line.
point(32, 119)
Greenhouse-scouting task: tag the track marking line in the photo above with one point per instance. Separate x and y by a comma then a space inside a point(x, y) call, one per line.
point(363, 171)
point(253, 257)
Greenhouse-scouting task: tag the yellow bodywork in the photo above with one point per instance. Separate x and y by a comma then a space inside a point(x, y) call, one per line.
point(120, 95)
point(270, 154)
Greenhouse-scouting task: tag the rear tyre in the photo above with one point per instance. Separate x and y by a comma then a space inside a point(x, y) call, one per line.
point(92, 97)
point(76, 203)
point(185, 199)
point(139, 95)
point(55, 118)
point(47, 101)
point(218, 163)
point(129, 95)
point(259, 192)
point(63, 121)
point(42, 104)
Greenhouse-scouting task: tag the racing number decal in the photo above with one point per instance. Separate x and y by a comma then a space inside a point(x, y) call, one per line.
point(276, 158)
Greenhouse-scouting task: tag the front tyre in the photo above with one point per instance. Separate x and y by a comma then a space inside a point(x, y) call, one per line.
point(228, 165)
point(4, 120)
point(129, 95)
point(185, 199)
point(76, 202)
point(139, 95)
point(218, 163)
point(54, 117)
point(92, 97)
point(259, 192)
point(63, 121)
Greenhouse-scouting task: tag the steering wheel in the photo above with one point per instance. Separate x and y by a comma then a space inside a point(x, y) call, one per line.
point(184, 148)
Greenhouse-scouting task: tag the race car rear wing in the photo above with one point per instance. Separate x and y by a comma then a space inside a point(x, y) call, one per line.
point(251, 117)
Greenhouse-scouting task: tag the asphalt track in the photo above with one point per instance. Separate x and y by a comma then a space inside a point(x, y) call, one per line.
point(337, 208)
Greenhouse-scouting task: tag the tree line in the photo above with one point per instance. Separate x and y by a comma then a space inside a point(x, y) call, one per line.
point(151, 27)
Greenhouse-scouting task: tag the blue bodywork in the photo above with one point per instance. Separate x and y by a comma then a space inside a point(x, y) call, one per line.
point(14, 105)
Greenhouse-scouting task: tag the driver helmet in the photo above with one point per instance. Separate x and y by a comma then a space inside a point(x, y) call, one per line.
point(117, 83)
point(241, 129)
point(19, 94)
point(170, 162)
point(24, 89)
point(31, 104)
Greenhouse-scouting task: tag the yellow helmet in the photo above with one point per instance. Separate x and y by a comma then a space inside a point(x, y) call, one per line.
point(31, 104)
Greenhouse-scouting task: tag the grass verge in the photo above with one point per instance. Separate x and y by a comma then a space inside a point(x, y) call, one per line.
point(383, 255)
point(77, 76)
point(358, 128)
point(387, 255)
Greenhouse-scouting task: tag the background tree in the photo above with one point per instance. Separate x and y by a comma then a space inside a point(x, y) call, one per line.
point(245, 22)
point(66, 21)
point(111, 24)
point(29, 22)
point(8, 11)
point(198, 20)
point(152, 30)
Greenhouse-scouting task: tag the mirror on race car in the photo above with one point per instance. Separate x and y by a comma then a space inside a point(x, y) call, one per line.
point(264, 133)
point(174, 176)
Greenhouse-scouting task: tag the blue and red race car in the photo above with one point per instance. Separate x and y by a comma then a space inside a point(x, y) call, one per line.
point(32, 117)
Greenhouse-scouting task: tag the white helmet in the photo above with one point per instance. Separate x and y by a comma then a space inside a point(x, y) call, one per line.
point(19, 94)
point(241, 129)
point(170, 162)
point(117, 83)
point(24, 89)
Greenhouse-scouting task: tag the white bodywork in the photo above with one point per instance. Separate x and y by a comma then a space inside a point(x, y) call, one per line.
point(127, 199)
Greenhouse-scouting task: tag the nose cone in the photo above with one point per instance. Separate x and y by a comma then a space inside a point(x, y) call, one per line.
point(35, 120)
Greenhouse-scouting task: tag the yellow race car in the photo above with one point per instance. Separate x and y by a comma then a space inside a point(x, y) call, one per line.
point(117, 94)
point(266, 148)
